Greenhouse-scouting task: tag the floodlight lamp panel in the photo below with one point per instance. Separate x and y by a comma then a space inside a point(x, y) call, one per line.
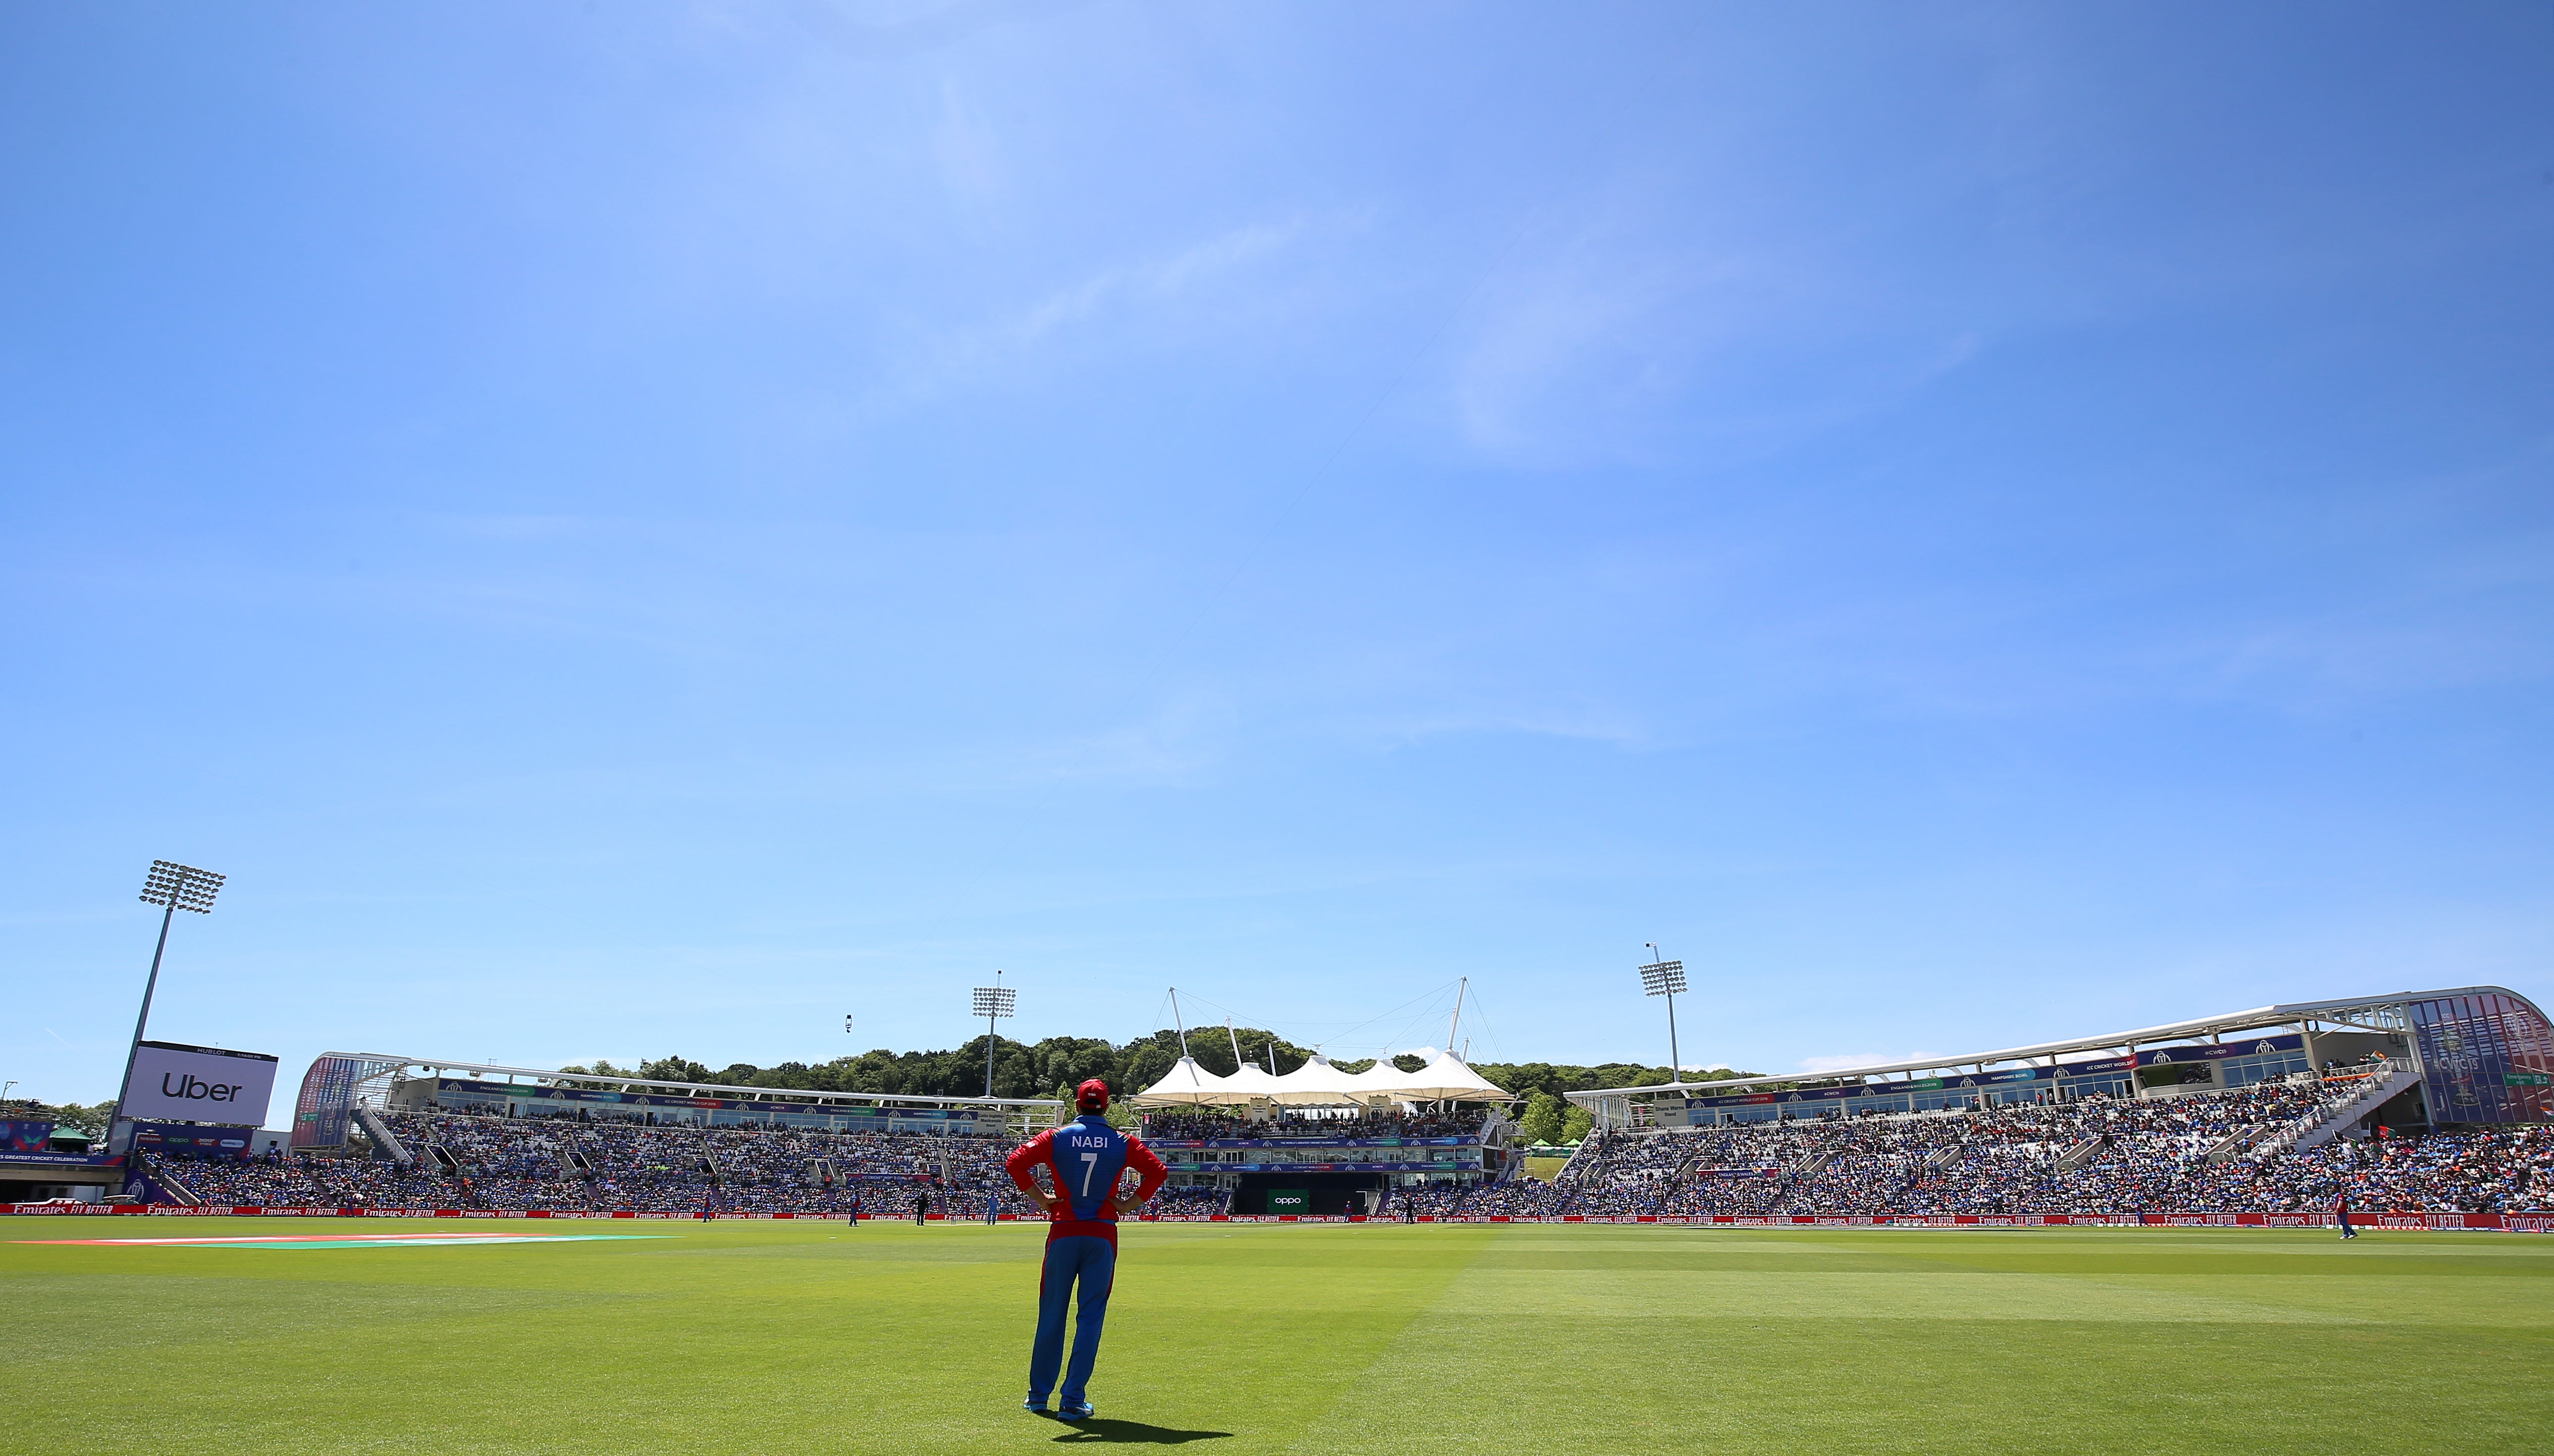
point(180, 886)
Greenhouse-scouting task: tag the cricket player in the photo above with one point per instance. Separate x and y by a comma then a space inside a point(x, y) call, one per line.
point(1085, 1158)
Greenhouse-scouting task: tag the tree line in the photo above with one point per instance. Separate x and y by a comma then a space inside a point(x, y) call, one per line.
point(92, 1119)
point(1056, 1065)
point(1053, 1067)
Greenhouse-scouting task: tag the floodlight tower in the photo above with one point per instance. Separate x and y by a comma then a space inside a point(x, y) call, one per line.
point(992, 1003)
point(173, 887)
point(1664, 977)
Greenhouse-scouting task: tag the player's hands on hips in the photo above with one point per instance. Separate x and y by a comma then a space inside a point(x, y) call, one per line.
point(1127, 1202)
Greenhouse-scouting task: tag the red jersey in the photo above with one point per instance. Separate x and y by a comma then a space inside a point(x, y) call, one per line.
point(1085, 1158)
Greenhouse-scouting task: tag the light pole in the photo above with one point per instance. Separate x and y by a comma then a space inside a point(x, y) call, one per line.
point(992, 1003)
point(173, 887)
point(1661, 977)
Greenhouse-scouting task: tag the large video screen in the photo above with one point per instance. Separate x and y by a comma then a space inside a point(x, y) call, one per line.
point(201, 1084)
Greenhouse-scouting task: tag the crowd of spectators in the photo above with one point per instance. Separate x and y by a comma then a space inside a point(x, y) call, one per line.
point(1523, 1198)
point(475, 1161)
point(2201, 1153)
point(292, 1179)
point(1432, 1200)
point(1192, 1202)
point(1200, 1125)
point(2494, 1170)
point(2207, 1153)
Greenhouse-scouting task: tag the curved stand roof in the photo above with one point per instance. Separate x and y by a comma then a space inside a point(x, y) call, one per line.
point(2363, 1013)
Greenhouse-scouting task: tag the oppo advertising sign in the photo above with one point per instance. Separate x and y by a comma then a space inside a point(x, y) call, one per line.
point(201, 1084)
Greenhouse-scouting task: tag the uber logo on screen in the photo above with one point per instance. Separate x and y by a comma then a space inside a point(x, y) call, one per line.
point(200, 1083)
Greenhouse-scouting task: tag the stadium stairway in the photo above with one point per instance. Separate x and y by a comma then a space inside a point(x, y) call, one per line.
point(1589, 1149)
point(1693, 1158)
point(2083, 1152)
point(2321, 1127)
point(2235, 1144)
point(158, 1170)
point(381, 1136)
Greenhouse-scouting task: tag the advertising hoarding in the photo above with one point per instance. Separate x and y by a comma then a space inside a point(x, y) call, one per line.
point(203, 1142)
point(1157, 1143)
point(201, 1084)
point(1191, 1164)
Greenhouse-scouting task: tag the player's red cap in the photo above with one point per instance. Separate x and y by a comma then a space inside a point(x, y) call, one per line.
point(1091, 1097)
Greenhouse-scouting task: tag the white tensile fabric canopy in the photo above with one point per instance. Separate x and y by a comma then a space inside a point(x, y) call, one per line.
point(1448, 1079)
point(1187, 1085)
point(1383, 1080)
point(1317, 1084)
point(1249, 1081)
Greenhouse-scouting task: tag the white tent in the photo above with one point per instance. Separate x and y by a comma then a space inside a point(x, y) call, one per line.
point(1187, 1085)
point(1448, 1079)
point(1247, 1083)
point(1383, 1080)
point(1316, 1084)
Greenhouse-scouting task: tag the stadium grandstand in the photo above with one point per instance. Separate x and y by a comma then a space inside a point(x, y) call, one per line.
point(383, 1132)
point(2434, 1103)
point(378, 1131)
point(2425, 1102)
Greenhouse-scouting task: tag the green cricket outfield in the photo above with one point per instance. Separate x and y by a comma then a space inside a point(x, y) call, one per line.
point(757, 1337)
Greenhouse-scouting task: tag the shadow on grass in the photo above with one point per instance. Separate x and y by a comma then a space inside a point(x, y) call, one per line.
point(1135, 1432)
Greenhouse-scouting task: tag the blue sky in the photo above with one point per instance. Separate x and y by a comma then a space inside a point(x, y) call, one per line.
point(643, 528)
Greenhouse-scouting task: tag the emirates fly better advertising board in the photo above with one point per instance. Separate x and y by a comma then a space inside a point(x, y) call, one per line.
point(201, 1084)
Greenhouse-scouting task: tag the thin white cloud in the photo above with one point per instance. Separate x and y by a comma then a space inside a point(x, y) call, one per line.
point(1175, 742)
point(1115, 293)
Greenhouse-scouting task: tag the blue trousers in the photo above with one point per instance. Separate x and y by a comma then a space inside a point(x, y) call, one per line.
point(1093, 1264)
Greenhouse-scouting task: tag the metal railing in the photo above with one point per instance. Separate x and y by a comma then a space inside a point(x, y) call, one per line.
point(2359, 1092)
